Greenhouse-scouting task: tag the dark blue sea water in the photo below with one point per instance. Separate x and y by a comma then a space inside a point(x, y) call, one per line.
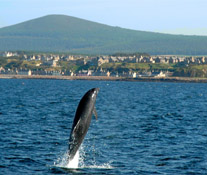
point(142, 128)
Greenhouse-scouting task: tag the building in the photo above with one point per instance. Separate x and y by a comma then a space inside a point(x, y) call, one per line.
point(159, 75)
point(24, 72)
point(2, 70)
point(9, 54)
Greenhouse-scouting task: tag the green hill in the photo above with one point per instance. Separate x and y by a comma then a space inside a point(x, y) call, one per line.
point(59, 33)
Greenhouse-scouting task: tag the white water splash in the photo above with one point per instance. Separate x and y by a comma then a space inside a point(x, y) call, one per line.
point(63, 161)
point(74, 162)
point(78, 162)
point(104, 166)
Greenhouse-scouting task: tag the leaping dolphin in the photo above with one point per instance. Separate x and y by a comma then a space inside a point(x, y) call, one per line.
point(82, 121)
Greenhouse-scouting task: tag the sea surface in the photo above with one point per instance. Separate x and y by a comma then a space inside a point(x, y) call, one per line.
point(142, 128)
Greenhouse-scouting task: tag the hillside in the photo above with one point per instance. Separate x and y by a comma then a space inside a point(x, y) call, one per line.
point(59, 33)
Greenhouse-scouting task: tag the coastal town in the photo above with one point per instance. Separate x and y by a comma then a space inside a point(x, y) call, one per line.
point(55, 64)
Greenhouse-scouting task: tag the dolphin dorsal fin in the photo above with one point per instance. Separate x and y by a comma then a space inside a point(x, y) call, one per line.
point(95, 113)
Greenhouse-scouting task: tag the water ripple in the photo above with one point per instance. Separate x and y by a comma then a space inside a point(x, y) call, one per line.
point(142, 128)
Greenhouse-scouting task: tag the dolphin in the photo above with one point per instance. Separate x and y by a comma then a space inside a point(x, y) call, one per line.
point(82, 121)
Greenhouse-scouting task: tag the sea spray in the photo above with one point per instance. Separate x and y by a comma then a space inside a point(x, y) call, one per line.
point(78, 161)
point(102, 166)
point(74, 162)
point(64, 162)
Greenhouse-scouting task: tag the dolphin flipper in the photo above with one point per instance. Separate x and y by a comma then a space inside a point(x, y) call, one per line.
point(95, 113)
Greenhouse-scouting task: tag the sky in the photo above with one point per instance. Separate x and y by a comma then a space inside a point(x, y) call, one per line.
point(166, 16)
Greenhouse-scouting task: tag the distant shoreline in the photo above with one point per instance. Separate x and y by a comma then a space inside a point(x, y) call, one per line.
point(105, 78)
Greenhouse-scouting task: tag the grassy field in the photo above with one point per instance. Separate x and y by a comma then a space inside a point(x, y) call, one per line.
point(138, 67)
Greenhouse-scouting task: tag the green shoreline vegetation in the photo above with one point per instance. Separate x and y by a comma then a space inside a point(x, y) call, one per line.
point(17, 63)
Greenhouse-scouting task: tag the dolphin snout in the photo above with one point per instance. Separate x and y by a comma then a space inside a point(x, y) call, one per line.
point(97, 90)
point(94, 92)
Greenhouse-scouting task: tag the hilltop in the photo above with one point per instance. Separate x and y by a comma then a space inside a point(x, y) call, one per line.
point(60, 33)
